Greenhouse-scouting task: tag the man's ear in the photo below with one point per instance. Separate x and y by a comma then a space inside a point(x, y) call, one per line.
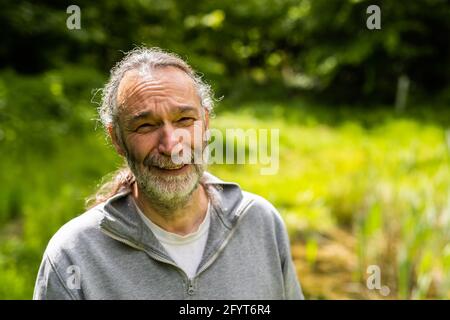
point(207, 133)
point(116, 140)
point(206, 119)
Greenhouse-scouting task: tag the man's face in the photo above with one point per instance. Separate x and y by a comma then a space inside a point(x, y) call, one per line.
point(153, 107)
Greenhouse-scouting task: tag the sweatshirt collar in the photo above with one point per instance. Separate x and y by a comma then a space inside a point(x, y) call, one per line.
point(121, 218)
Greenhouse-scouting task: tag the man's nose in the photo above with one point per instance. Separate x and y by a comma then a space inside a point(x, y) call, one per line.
point(167, 140)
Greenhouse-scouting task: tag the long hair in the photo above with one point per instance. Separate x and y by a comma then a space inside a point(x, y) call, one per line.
point(112, 184)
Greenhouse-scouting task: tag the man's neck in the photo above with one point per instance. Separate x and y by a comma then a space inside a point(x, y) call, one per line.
point(181, 221)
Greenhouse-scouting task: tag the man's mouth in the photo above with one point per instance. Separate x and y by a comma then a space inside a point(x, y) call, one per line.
point(172, 169)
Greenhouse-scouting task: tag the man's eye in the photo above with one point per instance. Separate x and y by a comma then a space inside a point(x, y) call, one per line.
point(145, 126)
point(185, 120)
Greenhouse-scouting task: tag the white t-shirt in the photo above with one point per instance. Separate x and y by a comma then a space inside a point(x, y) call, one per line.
point(187, 250)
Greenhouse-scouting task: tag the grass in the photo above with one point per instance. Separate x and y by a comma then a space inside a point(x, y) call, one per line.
point(386, 184)
point(355, 189)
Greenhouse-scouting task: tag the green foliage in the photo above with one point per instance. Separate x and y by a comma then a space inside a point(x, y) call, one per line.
point(388, 185)
point(321, 46)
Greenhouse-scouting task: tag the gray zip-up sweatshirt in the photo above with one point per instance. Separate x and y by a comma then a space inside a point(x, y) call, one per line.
point(109, 253)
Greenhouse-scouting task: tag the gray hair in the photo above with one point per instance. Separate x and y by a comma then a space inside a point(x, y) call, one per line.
point(145, 59)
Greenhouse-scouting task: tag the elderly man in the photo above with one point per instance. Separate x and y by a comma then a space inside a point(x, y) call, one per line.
point(164, 228)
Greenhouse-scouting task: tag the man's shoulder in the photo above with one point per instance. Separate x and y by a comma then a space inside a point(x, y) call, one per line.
point(233, 195)
point(262, 207)
point(259, 201)
point(265, 221)
point(76, 232)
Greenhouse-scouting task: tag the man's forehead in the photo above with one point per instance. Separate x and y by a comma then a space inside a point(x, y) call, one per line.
point(163, 82)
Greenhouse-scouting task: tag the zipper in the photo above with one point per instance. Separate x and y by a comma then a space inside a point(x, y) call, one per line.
point(190, 288)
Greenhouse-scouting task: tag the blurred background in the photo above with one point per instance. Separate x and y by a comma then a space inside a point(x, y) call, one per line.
point(364, 119)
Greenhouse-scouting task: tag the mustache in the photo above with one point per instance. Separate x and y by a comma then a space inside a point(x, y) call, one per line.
point(162, 161)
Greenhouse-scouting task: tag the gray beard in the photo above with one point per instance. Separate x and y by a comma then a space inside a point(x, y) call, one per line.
point(166, 193)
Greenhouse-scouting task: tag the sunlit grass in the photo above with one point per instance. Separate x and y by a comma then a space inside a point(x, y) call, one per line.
point(389, 185)
point(386, 185)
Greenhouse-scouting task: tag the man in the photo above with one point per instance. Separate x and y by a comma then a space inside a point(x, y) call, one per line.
point(164, 228)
